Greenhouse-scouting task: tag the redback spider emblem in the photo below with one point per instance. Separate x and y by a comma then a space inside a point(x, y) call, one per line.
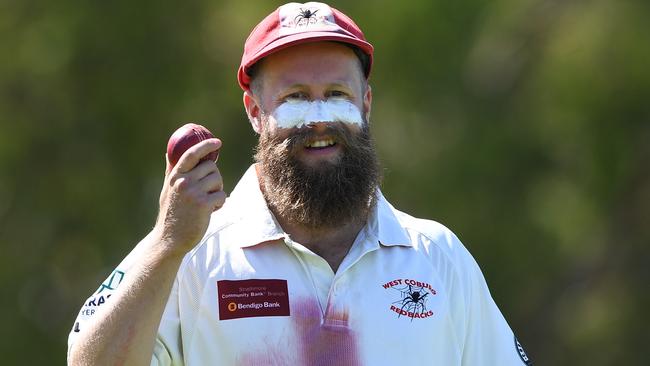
point(414, 300)
point(307, 15)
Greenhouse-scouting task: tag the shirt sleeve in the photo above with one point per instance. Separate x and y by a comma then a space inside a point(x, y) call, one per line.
point(92, 304)
point(167, 349)
point(102, 295)
point(488, 338)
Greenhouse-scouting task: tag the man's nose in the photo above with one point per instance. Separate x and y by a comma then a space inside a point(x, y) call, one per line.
point(318, 113)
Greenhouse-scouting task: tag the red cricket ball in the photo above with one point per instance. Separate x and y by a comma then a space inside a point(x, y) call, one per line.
point(185, 137)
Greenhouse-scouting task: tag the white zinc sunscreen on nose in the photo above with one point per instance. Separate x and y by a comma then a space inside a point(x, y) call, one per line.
point(296, 114)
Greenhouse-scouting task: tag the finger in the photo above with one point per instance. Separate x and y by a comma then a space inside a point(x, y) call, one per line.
point(194, 154)
point(218, 198)
point(202, 170)
point(212, 183)
point(168, 167)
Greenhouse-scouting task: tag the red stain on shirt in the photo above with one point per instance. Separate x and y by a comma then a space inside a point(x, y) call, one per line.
point(327, 342)
point(273, 356)
point(318, 341)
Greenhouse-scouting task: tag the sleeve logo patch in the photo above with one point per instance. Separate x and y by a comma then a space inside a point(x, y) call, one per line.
point(252, 298)
point(522, 354)
point(111, 282)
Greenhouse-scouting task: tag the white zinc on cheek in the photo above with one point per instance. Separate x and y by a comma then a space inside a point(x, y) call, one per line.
point(302, 113)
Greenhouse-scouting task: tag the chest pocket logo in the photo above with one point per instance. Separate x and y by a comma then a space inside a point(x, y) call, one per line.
point(411, 298)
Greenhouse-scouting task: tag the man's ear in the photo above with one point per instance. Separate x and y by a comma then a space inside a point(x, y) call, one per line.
point(253, 111)
point(367, 103)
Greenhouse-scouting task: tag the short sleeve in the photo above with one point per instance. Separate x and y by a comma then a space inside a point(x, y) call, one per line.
point(102, 295)
point(94, 302)
point(167, 349)
point(489, 339)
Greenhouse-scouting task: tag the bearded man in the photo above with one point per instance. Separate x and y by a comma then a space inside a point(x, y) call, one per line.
point(306, 263)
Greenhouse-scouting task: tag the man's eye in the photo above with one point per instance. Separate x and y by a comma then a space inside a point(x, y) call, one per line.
point(337, 94)
point(298, 96)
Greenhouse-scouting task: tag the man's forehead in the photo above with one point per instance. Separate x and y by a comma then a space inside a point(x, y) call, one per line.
point(301, 81)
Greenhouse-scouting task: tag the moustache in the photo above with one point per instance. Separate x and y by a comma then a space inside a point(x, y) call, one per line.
point(338, 132)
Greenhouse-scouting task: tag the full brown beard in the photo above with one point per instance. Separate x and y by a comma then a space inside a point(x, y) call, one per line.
point(325, 196)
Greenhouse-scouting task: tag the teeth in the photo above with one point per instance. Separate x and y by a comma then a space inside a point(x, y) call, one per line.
point(321, 143)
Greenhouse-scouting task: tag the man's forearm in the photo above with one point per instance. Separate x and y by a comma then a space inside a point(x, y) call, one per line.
point(123, 331)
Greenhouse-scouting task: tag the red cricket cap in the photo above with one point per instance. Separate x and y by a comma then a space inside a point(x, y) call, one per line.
point(296, 23)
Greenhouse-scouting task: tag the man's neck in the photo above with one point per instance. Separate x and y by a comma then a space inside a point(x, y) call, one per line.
point(330, 244)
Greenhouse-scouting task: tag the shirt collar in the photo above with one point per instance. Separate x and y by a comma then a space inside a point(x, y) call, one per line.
point(385, 226)
point(258, 224)
point(248, 204)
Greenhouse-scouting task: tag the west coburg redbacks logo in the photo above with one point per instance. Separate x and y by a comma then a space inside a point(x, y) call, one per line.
point(411, 298)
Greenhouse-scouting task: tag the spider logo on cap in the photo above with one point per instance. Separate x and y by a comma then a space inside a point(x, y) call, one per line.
point(305, 14)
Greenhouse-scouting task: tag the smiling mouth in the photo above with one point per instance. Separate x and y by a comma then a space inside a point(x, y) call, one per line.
point(320, 144)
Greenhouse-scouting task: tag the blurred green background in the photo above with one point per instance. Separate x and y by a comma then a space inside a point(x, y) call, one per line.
point(523, 125)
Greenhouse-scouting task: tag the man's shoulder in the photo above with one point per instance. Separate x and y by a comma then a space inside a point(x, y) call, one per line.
point(430, 235)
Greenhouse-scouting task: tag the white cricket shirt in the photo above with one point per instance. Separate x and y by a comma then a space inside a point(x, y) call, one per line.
point(407, 293)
